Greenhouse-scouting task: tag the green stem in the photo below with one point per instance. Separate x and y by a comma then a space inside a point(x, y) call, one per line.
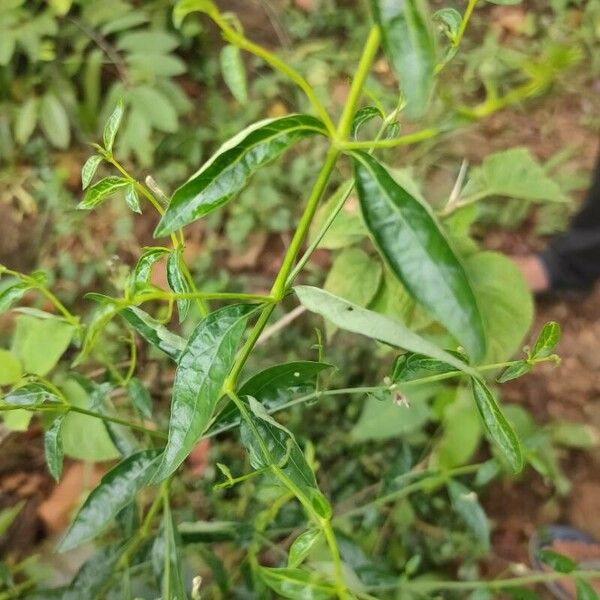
point(166, 502)
point(464, 22)
point(409, 138)
point(164, 295)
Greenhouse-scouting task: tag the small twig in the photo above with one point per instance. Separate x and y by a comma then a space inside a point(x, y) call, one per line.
point(281, 324)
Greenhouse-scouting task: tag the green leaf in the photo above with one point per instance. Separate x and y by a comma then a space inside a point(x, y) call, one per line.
point(234, 72)
point(89, 170)
point(10, 368)
point(8, 41)
point(547, 341)
point(140, 398)
point(296, 584)
point(575, 435)
point(153, 66)
point(31, 394)
point(112, 125)
point(53, 447)
point(149, 42)
point(11, 294)
point(354, 276)
point(414, 247)
point(359, 320)
point(115, 491)
point(39, 343)
point(132, 200)
point(154, 105)
point(154, 332)
point(178, 281)
point(450, 19)
point(94, 329)
point(364, 115)
point(269, 444)
point(409, 45)
point(497, 426)
point(143, 269)
point(466, 505)
point(411, 366)
point(101, 190)
point(505, 303)
point(227, 172)
point(302, 546)
point(8, 516)
point(520, 368)
point(201, 371)
point(585, 591)
point(54, 121)
point(557, 562)
point(26, 120)
point(17, 419)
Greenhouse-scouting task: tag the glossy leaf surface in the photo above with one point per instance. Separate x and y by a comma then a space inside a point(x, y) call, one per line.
point(414, 247)
point(53, 447)
point(132, 200)
point(178, 282)
point(89, 170)
point(101, 190)
point(556, 561)
point(409, 45)
point(112, 126)
point(515, 371)
point(466, 505)
point(227, 172)
point(302, 546)
point(116, 489)
point(497, 426)
point(201, 371)
point(296, 584)
point(364, 115)
point(547, 341)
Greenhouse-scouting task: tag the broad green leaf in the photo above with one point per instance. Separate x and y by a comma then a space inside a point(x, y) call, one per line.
point(26, 120)
point(411, 366)
point(155, 106)
point(269, 444)
point(547, 341)
point(143, 269)
point(556, 561)
point(234, 72)
point(276, 385)
point(520, 368)
point(201, 371)
point(505, 303)
point(132, 200)
point(227, 172)
point(152, 66)
point(364, 115)
point(115, 491)
point(100, 319)
point(101, 190)
point(154, 332)
point(414, 247)
point(12, 293)
point(497, 426)
point(30, 394)
point(89, 170)
point(54, 121)
point(466, 505)
point(451, 20)
point(302, 546)
point(8, 41)
point(514, 173)
point(8, 516)
point(359, 320)
point(149, 42)
point(585, 591)
point(354, 276)
point(140, 398)
point(296, 584)
point(84, 437)
point(39, 343)
point(178, 281)
point(409, 45)
point(112, 126)
point(17, 419)
point(53, 447)
point(10, 368)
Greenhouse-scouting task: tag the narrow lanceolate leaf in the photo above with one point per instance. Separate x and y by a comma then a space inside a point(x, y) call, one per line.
point(520, 368)
point(178, 281)
point(302, 546)
point(296, 584)
point(364, 115)
point(90, 166)
point(154, 332)
point(201, 371)
point(556, 561)
point(116, 489)
point(132, 200)
point(234, 72)
point(497, 426)
point(466, 505)
point(227, 172)
point(53, 447)
point(585, 591)
point(374, 325)
point(269, 444)
point(409, 45)
point(412, 243)
point(11, 294)
point(112, 126)
point(101, 190)
point(547, 340)
point(143, 269)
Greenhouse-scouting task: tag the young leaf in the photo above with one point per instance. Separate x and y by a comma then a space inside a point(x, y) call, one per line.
point(143, 269)
point(12, 293)
point(227, 172)
point(359, 320)
point(451, 20)
point(112, 126)
point(296, 584)
point(53, 447)
point(466, 505)
point(30, 394)
point(302, 546)
point(178, 281)
point(139, 396)
point(520, 368)
point(409, 45)
point(132, 200)
point(116, 489)
point(410, 366)
point(54, 121)
point(89, 170)
point(547, 341)
point(101, 190)
point(556, 561)
point(234, 72)
point(412, 243)
point(364, 115)
point(497, 426)
point(201, 371)
point(585, 591)
point(154, 332)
